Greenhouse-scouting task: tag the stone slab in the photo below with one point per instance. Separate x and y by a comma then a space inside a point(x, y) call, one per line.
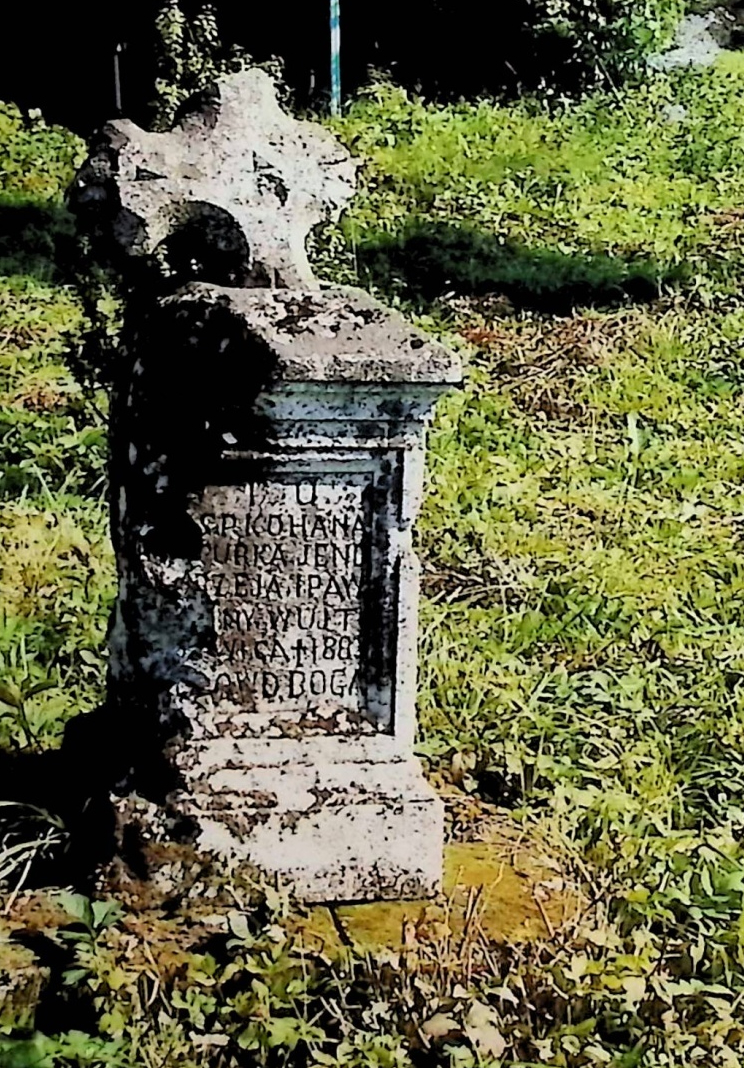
point(328, 832)
point(337, 334)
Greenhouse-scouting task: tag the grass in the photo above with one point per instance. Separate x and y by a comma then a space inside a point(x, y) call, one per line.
point(56, 575)
point(583, 646)
point(582, 527)
point(582, 632)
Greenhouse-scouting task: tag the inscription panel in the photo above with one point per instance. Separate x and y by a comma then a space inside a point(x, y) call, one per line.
point(285, 562)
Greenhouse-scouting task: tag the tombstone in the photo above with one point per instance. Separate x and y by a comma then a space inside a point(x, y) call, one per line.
point(267, 440)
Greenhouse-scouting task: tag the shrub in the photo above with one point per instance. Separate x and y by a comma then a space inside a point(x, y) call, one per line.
point(604, 39)
point(540, 45)
point(436, 46)
point(189, 56)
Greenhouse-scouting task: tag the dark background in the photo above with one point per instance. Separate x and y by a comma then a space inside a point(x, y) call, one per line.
point(60, 57)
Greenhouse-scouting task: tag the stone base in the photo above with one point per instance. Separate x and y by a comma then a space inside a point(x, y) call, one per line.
point(331, 832)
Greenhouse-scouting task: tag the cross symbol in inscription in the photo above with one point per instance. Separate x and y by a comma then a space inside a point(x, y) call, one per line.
point(300, 649)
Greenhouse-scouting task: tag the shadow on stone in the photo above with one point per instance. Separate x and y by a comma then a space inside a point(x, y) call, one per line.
point(171, 422)
point(182, 414)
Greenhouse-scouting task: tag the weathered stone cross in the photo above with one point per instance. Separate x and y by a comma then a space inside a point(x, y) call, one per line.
point(267, 465)
point(237, 175)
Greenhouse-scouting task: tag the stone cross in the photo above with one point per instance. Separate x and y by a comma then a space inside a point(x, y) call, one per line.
point(230, 194)
point(267, 465)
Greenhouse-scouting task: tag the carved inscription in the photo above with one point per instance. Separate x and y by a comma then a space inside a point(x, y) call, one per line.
point(284, 563)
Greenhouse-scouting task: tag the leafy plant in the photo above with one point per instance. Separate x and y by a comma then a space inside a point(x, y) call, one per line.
point(76, 1049)
point(93, 916)
point(14, 697)
point(190, 57)
point(607, 39)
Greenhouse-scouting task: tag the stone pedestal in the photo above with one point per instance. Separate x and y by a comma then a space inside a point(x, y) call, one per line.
point(267, 621)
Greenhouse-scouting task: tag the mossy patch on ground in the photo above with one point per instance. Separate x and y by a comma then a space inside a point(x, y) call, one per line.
point(489, 891)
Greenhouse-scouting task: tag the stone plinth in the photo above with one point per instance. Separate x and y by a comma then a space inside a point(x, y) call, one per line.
point(267, 471)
